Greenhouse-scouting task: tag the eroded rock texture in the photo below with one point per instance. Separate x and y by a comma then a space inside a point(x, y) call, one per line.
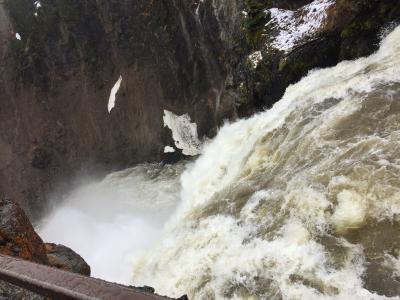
point(55, 84)
point(19, 239)
point(17, 236)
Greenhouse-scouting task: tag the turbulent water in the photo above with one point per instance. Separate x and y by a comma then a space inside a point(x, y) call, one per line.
point(299, 202)
point(112, 222)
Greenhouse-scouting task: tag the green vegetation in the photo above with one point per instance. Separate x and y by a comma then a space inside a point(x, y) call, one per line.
point(254, 24)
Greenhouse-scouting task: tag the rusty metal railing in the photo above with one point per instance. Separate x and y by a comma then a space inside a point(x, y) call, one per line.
point(62, 285)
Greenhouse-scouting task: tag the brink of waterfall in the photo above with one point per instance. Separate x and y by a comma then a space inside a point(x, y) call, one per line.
point(298, 202)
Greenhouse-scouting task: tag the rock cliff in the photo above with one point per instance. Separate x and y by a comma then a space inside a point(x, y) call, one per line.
point(55, 83)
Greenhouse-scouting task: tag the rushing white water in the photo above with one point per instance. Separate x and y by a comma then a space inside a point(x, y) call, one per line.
point(298, 202)
point(116, 220)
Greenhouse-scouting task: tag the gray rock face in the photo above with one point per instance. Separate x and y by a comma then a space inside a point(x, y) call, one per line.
point(55, 84)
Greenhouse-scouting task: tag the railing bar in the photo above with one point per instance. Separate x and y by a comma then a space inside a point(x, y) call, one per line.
point(63, 285)
point(42, 288)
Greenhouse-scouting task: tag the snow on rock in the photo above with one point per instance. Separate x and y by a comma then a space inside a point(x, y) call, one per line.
point(37, 6)
point(255, 58)
point(184, 133)
point(294, 27)
point(169, 149)
point(114, 91)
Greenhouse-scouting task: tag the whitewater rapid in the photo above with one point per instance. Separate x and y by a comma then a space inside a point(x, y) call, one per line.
point(112, 222)
point(299, 202)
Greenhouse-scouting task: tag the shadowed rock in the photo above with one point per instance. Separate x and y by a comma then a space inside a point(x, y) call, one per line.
point(64, 258)
point(17, 236)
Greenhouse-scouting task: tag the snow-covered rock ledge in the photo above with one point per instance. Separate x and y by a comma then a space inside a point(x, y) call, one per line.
point(288, 29)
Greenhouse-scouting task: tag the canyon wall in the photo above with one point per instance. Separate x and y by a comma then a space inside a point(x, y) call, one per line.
point(55, 83)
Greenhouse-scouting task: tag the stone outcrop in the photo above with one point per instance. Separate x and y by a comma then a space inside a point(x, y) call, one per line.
point(17, 236)
point(64, 258)
point(19, 239)
point(55, 85)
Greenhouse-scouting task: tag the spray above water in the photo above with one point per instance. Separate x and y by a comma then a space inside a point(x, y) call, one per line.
point(116, 220)
point(299, 202)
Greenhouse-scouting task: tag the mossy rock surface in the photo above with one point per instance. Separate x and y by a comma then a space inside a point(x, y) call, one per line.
point(353, 29)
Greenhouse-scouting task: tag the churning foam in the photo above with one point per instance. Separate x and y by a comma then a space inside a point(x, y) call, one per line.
point(116, 220)
point(299, 202)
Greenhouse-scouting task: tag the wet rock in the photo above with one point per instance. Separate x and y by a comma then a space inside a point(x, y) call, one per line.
point(62, 257)
point(151, 290)
point(147, 289)
point(18, 239)
point(17, 236)
point(173, 156)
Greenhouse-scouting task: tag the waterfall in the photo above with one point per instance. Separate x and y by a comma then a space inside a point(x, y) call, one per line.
point(292, 202)
point(298, 202)
point(110, 223)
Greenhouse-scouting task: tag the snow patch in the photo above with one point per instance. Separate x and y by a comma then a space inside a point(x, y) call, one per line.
point(184, 133)
point(37, 6)
point(255, 58)
point(293, 27)
point(18, 36)
point(114, 91)
point(169, 149)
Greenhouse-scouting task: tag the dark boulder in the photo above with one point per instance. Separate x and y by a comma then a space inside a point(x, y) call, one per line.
point(64, 258)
